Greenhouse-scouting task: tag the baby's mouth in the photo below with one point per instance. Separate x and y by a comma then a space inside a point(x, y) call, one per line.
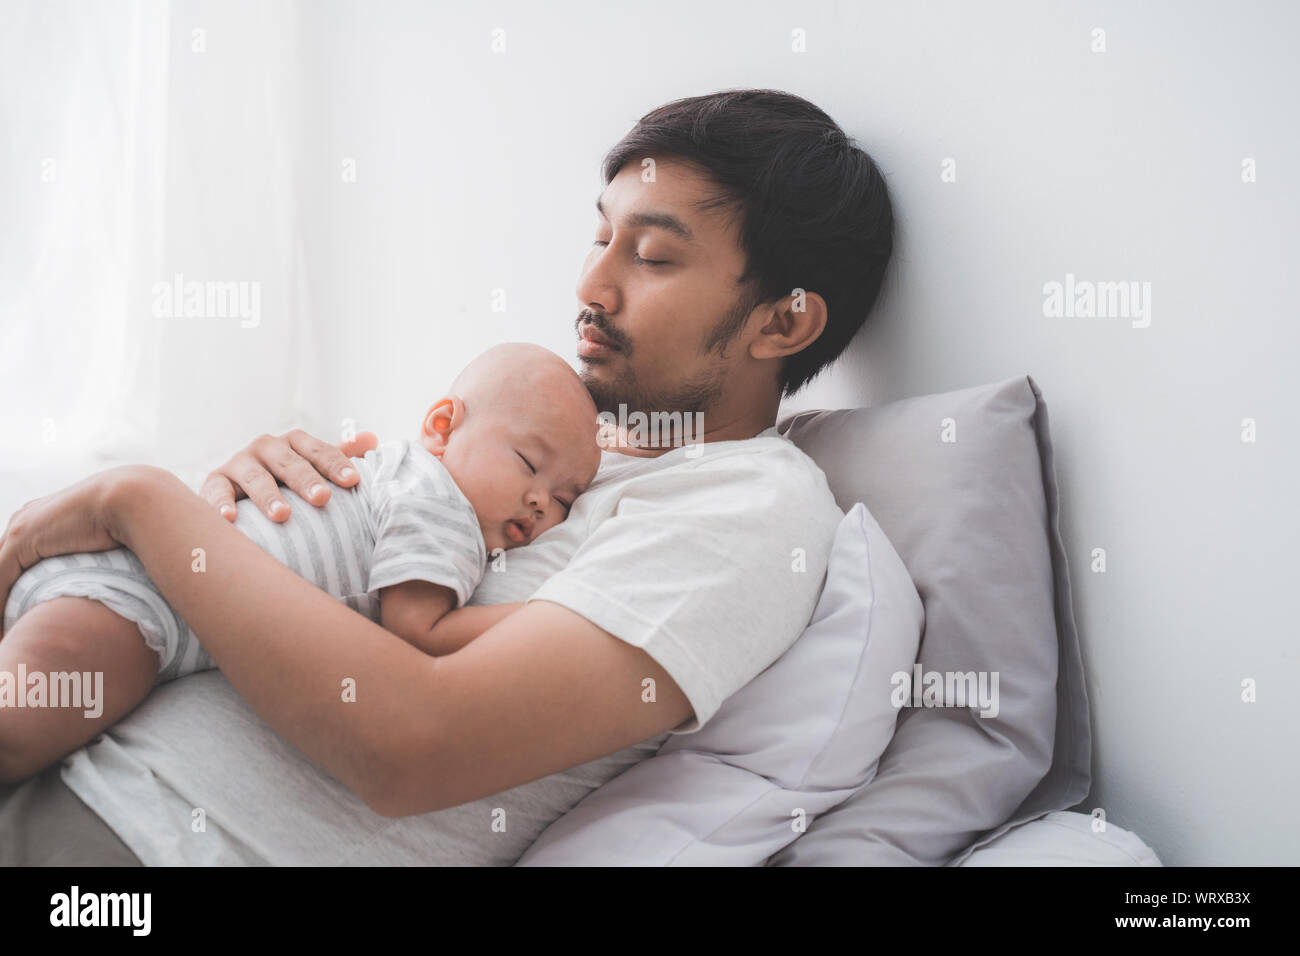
point(515, 532)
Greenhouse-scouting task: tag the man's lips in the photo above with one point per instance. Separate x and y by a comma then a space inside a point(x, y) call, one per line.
point(594, 343)
point(593, 334)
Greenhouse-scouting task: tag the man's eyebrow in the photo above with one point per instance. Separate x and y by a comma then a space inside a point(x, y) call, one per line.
point(655, 220)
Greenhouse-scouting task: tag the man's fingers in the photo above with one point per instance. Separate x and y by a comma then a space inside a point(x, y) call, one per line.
point(268, 463)
point(220, 493)
point(262, 489)
point(8, 576)
point(295, 460)
point(327, 460)
point(11, 568)
point(357, 447)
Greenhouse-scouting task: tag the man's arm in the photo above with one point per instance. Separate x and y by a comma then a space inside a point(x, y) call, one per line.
point(540, 692)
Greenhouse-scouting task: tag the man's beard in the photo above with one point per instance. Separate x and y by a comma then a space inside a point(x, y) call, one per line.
point(698, 394)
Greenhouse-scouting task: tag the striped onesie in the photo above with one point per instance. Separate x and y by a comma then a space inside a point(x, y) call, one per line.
point(406, 520)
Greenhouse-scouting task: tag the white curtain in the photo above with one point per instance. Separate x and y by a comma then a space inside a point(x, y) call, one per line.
point(142, 140)
point(82, 162)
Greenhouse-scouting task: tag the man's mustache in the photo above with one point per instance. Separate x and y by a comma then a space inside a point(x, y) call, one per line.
point(599, 322)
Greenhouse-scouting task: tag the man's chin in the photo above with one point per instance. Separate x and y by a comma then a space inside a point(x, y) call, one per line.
point(603, 360)
point(595, 371)
point(605, 388)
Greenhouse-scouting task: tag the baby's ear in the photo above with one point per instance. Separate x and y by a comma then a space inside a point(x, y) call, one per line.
point(440, 419)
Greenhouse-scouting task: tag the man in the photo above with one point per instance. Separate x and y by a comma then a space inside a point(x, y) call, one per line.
point(741, 242)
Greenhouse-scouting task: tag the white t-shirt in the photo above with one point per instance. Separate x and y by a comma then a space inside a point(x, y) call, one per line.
point(712, 564)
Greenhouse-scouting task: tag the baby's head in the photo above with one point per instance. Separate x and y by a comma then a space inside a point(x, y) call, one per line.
point(517, 433)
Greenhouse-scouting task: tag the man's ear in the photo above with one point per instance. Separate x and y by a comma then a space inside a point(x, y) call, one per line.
point(793, 323)
point(446, 415)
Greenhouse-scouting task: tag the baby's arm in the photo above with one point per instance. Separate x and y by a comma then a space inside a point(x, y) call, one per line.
point(457, 628)
point(420, 614)
point(412, 608)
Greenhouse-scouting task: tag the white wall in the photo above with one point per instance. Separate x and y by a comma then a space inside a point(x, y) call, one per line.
point(1120, 166)
point(477, 171)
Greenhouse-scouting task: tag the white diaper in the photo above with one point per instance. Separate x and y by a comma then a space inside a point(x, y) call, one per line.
point(117, 579)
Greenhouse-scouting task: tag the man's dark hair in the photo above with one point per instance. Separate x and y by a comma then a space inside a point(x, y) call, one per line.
point(812, 207)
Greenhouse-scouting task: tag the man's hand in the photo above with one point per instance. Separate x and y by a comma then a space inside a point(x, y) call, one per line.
point(78, 518)
point(295, 459)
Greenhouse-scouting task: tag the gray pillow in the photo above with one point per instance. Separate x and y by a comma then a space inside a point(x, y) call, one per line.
point(792, 743)
point(975, 522)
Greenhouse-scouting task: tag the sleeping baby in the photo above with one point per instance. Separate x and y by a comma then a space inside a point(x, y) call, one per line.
point(498, 461)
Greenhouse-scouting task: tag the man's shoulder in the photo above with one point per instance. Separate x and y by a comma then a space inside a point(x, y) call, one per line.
point(767, 454)
point(764, 468)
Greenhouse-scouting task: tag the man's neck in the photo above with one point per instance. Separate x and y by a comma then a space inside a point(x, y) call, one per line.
point(644, 437)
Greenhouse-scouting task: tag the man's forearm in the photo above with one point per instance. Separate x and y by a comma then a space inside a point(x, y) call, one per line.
point(333, 683)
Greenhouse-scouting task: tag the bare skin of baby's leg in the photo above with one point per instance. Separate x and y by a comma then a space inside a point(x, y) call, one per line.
point(67, 634)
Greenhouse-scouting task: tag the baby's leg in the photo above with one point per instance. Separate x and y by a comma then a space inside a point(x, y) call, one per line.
point(68, 634)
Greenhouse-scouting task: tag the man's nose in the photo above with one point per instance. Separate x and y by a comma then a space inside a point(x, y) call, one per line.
point(597, 285)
